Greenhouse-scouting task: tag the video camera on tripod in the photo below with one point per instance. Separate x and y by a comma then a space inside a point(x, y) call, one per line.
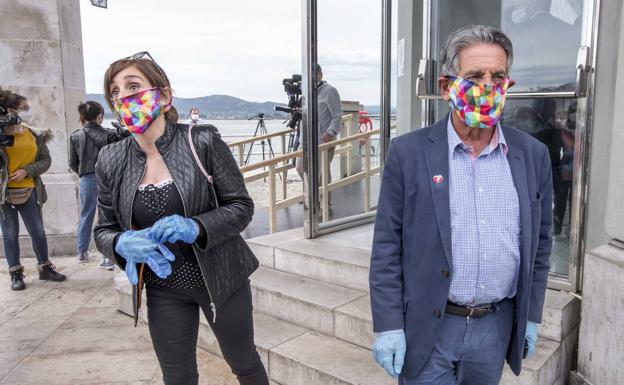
point(7, 119)
point(292, 87)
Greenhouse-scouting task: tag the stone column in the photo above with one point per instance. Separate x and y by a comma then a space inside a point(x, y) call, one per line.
point(600, 353)
point(41, 58)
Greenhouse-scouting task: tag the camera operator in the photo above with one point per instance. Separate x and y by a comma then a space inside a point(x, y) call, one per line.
point(329, 116)
point(84, 146)
point(21, 189)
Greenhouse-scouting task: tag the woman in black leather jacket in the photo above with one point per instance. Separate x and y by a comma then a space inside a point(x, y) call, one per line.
point(165, 224)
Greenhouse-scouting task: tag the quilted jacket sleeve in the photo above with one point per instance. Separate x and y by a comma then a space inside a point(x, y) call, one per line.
point(108, 227)
point(235, 206)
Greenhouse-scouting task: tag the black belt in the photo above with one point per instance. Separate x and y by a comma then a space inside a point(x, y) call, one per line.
point(467, 311)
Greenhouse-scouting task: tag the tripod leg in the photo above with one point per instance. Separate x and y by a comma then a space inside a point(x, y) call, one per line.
point(252, 144)
point(271, 152)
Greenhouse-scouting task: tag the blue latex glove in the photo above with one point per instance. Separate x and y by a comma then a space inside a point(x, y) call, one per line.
point(531, 337)
point(174, 228)
point(135, 247)
point(389, 351)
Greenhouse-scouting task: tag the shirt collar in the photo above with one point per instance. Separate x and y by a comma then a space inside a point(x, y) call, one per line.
point(497, 139)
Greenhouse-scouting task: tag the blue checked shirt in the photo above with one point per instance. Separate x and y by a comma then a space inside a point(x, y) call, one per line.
point(485, 222)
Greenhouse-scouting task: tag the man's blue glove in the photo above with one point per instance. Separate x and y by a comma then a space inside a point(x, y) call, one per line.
point(531, 337)
point(174, 228)
point(389, 351)
point(135, 247)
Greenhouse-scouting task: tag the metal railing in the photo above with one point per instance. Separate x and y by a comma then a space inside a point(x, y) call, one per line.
point(239, 145)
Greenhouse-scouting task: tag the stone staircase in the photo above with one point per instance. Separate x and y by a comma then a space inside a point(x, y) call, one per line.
point(313, 321)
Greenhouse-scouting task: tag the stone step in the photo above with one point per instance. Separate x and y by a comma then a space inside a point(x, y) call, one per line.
point(269, 332)
point(354, 322)
point(561, 315)
point(337, 264)
point(316, 359)
point(294, 355)
point(300, 300)
point(264, 246)
point(543, 368)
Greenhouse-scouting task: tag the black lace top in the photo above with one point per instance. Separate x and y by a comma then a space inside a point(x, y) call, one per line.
point(151, 203)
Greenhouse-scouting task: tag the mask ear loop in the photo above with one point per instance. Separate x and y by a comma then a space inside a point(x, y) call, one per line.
point(166, 107)
point(119, 119)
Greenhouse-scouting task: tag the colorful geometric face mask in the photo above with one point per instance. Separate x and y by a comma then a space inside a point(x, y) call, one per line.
point(479, 105)
point(138, 111)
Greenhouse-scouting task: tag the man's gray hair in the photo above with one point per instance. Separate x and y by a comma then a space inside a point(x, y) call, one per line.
point(467, 36)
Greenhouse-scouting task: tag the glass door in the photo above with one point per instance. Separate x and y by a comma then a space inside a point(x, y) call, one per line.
point(343, 112)
point(552, 41)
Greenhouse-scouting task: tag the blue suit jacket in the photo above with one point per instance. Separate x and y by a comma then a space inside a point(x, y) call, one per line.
point(411, 262)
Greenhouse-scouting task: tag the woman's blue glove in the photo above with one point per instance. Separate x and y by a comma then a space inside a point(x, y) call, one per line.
point(389, 351)
point(174, 228)
point(135, 247)
point(531, 337)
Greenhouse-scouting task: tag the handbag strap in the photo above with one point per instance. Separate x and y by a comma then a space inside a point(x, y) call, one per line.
point(200, 165)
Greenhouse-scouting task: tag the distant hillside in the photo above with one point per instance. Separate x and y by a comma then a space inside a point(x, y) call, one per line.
point(224, 107)
point(215, 107)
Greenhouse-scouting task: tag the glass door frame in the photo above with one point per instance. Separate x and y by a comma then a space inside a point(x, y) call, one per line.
point(583, 94)
point(311, 224)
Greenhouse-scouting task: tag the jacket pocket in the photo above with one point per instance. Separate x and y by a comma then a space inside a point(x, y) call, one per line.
point(42, 194)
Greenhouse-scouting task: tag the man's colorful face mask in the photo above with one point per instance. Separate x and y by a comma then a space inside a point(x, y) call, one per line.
point(479, 105)
point(138, 111)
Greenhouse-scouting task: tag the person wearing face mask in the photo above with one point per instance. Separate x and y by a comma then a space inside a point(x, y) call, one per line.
point(461, 247)
point(22, 190)
point(84, 146)
point(171, 206)
point(194, 116)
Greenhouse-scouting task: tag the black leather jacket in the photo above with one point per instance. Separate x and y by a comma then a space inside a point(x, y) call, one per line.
point(85, 144)
point(225, 259)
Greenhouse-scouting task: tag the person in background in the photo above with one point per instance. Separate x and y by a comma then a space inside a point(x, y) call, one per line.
point(563, 193)
point(22, 190)
point(329, 119)
point(84, 147)
point(194, 116)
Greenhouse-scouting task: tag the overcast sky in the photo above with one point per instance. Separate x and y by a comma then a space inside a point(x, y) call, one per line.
point(242, 48)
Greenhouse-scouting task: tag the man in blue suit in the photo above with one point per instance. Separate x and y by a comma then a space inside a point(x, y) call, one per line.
point(461, 247)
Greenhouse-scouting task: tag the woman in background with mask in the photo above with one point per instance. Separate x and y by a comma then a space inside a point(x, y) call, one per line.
point(22, 191)
point(163, 221)
point(84, 147)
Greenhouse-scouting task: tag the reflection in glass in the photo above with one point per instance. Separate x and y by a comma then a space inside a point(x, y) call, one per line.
point(553, 122)
point(348, 182)
point(546, 36)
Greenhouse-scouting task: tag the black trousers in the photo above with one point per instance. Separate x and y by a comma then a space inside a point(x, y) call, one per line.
point(174, 323)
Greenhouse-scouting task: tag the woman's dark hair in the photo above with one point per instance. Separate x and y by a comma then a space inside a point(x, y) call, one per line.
point(90, 111)
point(11, 100)
point(152, 72)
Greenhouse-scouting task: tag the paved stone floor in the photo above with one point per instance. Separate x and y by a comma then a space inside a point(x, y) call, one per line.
point(71, 333)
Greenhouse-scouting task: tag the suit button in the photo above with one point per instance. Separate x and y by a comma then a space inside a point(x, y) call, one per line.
point(445, 273)
point(437, 313)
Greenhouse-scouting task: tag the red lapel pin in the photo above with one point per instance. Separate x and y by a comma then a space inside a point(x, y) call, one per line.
point(438, 179)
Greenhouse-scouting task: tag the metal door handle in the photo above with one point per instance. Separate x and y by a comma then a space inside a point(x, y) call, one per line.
point(582, 71)
point(422, 80)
